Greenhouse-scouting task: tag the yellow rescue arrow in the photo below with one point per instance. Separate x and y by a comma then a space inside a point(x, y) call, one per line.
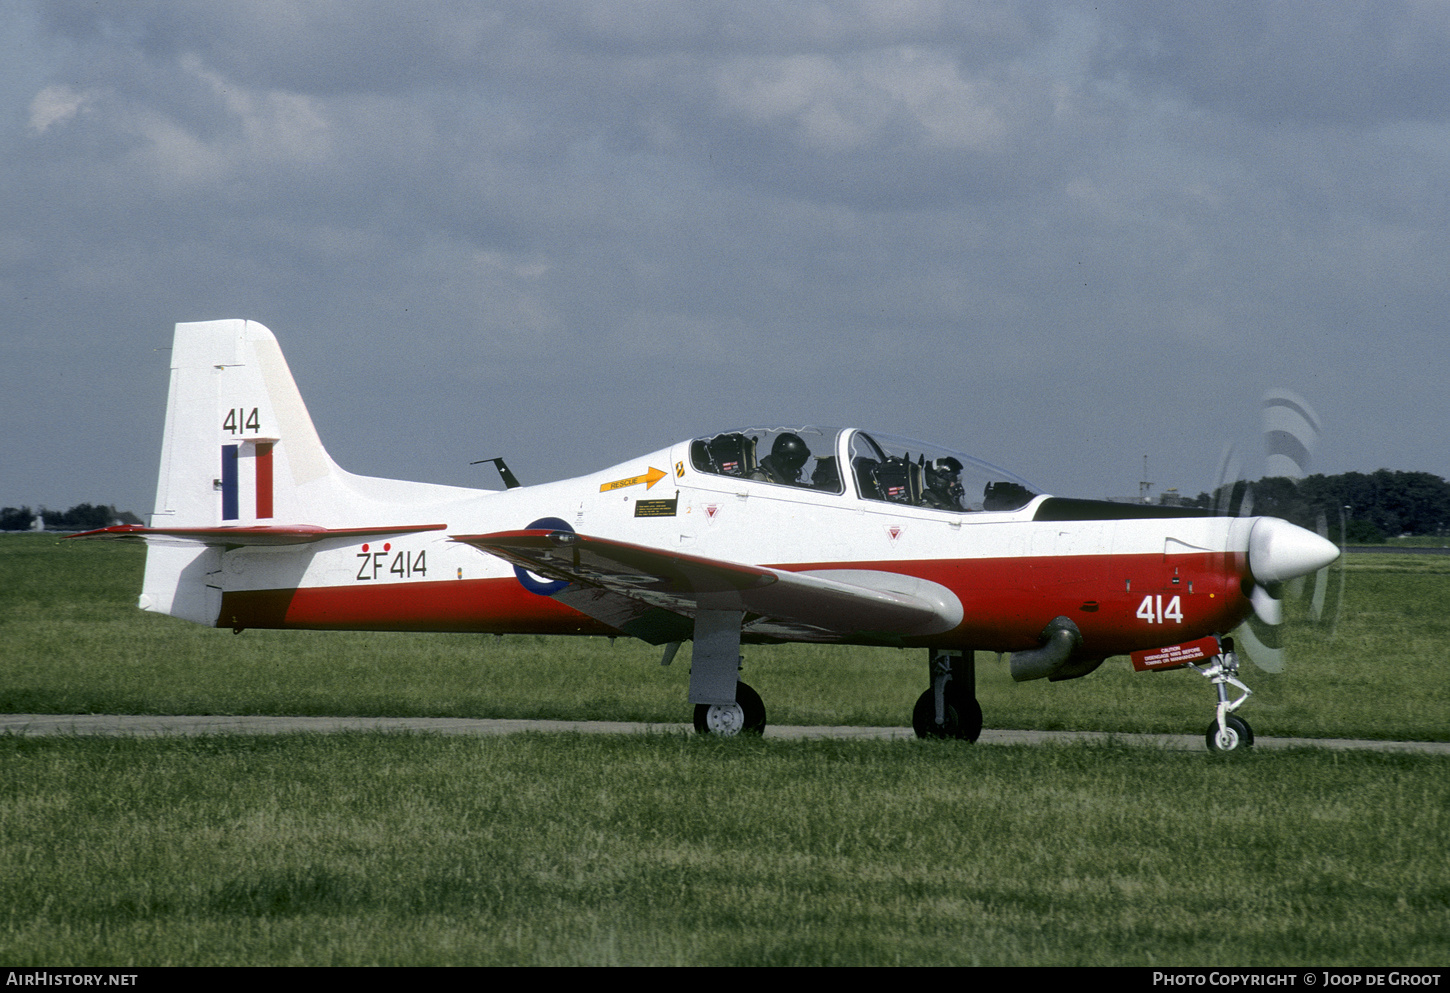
point(649, 479)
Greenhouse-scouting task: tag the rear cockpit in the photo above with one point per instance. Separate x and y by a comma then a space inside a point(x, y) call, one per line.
point(882, 468)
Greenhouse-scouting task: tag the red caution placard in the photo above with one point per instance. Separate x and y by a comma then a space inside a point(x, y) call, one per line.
point(1173, 656)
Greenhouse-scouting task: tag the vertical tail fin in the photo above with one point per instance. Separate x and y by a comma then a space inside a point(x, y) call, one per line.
point(239, 443)
point(237, 449)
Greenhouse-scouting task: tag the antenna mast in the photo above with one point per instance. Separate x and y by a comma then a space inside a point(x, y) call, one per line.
point(1145, 488)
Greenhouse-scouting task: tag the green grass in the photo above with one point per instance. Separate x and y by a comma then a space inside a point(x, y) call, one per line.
point(671, 849)
point(72, 641)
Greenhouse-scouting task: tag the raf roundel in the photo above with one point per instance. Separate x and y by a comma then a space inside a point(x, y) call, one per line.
point(536, 584)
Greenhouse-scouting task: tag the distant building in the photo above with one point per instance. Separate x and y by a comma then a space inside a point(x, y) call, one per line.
point(1170, 498)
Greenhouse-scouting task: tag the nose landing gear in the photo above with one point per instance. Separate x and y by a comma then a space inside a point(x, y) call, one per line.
point(1227, 733)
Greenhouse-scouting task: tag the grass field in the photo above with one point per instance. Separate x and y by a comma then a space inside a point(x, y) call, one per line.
point(672, 849)
point(565, 849)
point(72, 641)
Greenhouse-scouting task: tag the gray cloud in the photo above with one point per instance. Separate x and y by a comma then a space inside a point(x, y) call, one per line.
point(569, 233)
point(1358, 63)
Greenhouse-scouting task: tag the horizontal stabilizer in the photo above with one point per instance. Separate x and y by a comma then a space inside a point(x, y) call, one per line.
point(846, 603)
point(238, 537)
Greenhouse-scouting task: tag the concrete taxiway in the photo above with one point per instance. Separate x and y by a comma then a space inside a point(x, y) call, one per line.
point(143, 726)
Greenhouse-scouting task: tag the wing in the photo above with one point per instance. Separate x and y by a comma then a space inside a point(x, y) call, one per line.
point(653, 594)
point(283, 534)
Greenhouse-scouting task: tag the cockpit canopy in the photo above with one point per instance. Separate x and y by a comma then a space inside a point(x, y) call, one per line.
point(881, 467)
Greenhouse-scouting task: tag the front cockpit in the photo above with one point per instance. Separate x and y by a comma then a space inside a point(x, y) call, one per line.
point(851, 462)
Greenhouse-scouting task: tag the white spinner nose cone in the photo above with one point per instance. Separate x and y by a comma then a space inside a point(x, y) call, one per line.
point(1279, 550)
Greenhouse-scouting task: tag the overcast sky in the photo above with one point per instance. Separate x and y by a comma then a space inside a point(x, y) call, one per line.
point(1060, 237)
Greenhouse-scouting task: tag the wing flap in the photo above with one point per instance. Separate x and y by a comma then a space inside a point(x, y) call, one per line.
point(843, 603)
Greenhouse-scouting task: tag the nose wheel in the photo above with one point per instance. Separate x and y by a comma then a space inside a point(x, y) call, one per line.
point(1233, 735)
point(1227, 733)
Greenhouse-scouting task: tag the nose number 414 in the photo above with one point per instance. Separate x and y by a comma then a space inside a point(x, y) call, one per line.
point(1155, 611)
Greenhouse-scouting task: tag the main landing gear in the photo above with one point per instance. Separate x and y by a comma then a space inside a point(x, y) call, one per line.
point(1227, 733)
point(723, 705)
point(950, 708)
point(745, 716)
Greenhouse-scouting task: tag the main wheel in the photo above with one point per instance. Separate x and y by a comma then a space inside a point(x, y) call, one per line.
point(1237, 735)
point(963, 719)
point(745, 716)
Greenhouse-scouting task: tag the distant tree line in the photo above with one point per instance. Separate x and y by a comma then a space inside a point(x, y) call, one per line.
point(1373, 506)
point(81, 517)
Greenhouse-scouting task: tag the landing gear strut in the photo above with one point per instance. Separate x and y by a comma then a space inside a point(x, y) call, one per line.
point(950, 708)
point(1227, 733)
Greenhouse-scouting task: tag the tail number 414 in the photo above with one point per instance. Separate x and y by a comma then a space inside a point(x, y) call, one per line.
point(240, 420)
point(1155, 611)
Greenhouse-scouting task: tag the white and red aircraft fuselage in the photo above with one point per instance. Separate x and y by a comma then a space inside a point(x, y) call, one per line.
point(758, 535)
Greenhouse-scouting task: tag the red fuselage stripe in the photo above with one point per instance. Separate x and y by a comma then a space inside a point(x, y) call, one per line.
point(1120, 603)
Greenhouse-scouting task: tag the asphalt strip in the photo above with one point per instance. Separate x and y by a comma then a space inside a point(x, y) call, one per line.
point(146, 726)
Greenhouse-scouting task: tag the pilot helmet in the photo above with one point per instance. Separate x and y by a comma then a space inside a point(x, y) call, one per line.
point(789, 452)
point(943, 476)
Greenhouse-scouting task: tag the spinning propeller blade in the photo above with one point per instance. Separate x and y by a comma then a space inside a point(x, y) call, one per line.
point(1281, 557)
